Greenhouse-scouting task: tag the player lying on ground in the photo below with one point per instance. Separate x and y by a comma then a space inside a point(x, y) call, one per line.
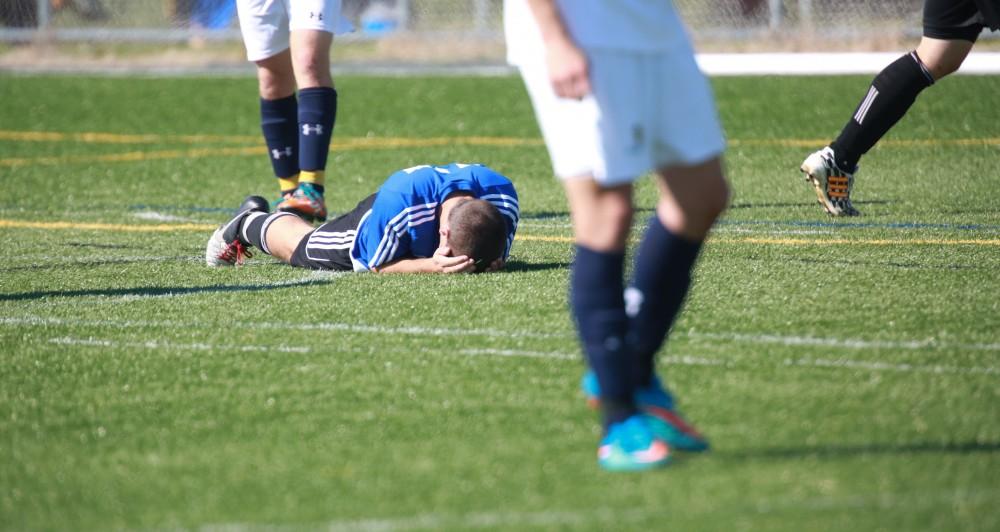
point(951, 27)
point(449, 219)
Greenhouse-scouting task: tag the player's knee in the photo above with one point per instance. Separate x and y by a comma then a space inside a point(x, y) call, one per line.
point(311, 69)
point(607, 229)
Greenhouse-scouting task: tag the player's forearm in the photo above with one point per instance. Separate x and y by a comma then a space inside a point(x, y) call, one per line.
point(550, 22)
point(413, 265)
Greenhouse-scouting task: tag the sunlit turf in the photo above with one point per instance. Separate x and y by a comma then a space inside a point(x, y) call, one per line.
point(846, 385)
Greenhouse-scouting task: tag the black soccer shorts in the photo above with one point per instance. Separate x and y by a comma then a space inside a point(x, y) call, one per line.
point(328, 247)
point(953, 20)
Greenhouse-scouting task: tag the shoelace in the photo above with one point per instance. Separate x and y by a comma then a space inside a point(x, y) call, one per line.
point(235, 253)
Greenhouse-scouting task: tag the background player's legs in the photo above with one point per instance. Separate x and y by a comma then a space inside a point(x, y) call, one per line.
point(691, 199)
point(891, 94)
point(317, 112)
point(279, 117)
point(602, 218)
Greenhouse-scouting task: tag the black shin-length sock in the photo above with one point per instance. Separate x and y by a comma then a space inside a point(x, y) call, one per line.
point(891, 94)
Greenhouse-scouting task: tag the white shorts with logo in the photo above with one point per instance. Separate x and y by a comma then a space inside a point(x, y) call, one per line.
point(267, 24)
point(647, 110)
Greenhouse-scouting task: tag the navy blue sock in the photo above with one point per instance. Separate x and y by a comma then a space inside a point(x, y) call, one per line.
point(660, 281)
point(279, 121)
point(317, 114)
point(599, 311)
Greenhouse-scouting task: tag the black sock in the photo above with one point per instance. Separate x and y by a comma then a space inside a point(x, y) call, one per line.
point(660, 282)
point(891, 94)
point(599, 311)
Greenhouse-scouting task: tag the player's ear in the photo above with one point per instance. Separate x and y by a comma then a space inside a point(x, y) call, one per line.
point(444, 232)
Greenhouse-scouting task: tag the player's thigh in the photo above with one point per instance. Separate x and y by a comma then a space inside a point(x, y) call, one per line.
point(264, 25)
point(319, 15)
point(329, 246)
point(683, 119)
point(605, 135)
point(569, 127)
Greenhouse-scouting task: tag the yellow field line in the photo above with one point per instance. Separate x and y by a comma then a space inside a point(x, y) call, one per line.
point(84, 226)
point(338, 145)
point(812, 143)
point(94, 137)
point(162, 228)
point(119, 138)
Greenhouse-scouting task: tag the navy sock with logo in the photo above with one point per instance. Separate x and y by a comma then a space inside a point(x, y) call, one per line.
point(660, 282)
point(599, 311)
point(317, 115)
point(279, 122)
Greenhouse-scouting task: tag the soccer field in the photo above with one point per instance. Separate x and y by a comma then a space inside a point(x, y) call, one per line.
point(846, 371)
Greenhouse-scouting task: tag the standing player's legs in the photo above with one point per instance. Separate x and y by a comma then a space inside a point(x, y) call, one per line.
point(950, 30)
point(602, 220)
point(317, 112)
point(602, 214)
point(279, 112)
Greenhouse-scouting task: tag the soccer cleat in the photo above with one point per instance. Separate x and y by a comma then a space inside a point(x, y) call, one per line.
point(833, 185)
point(658, 404)
point(305, 201)
point(225, 248)
point(632, 446)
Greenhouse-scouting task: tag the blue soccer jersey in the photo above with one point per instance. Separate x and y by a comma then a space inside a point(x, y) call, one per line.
point(402, 222)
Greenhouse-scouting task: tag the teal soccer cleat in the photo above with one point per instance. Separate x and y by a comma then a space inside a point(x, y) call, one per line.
point(632, 446)
point(657, 402)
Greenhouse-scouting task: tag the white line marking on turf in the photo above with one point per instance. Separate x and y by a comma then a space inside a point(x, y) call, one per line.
point(156, 344)
point(849, 343)
point(885, 366)
point(162, 217)
point(615, 517)
point(518, 353)
point(477, 520)
point(415, 330)
point(683, 360)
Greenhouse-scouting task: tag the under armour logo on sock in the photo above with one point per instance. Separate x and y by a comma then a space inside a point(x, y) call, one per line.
point(277, 154)
point(317, 16)
point(310, 129)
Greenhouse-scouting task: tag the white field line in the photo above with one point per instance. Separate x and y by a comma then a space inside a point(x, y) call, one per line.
point(470, 521)
point(163, 217)
point(156, 344)
point(846, 343)
point(615, 518)
point(682, 360)
point(416, 330)
point(885, 366)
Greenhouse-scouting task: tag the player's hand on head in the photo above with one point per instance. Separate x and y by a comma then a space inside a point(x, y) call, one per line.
point(568, 70)
point(445, 263)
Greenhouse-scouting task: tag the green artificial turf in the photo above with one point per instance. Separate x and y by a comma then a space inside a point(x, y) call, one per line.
point(846, 371)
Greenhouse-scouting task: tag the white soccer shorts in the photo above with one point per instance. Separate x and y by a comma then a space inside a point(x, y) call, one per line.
point(647, 111)
point(267, 24)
